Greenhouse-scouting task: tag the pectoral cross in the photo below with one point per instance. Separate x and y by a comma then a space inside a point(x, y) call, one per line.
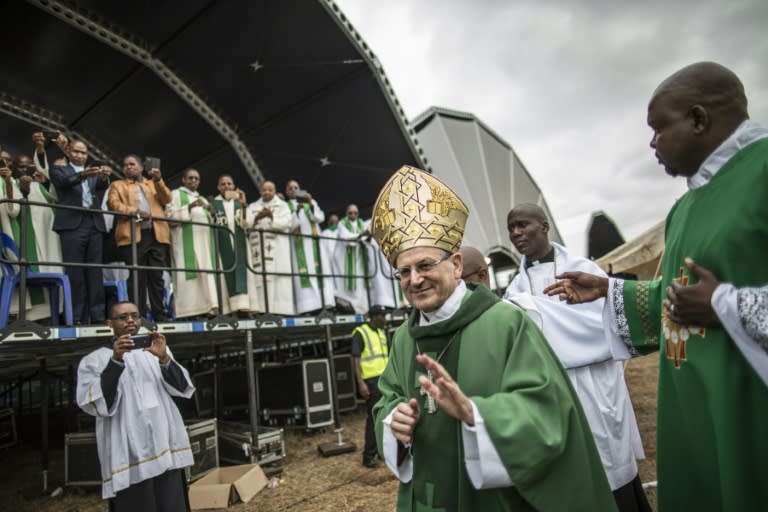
point(431, 405)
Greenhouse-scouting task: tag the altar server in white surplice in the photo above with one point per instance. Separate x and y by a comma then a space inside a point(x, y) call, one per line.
point(309, 292)
point(575, 333)
point(142, 443)
point(192, 248)
point(271, 250)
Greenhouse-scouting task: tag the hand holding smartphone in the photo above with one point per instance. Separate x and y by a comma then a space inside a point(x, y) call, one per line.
point(141, 341)
point(151, 162)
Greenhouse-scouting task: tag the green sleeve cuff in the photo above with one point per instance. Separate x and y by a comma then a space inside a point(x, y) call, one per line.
point(642, 303)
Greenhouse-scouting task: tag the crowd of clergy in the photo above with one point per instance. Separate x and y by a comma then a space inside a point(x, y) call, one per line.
point(279, 254)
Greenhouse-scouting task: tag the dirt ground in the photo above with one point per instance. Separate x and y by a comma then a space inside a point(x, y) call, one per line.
point(310, 482)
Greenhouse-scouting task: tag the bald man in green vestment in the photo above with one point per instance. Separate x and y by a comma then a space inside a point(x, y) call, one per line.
point(707, 314)
point(476, 413)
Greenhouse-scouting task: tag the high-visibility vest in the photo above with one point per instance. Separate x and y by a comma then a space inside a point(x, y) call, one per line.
point(373, 358)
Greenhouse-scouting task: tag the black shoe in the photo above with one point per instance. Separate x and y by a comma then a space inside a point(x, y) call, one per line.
point(161, 319)
point(370, 463)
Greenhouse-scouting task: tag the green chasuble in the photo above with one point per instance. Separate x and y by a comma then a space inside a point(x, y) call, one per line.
point(533, 417)
point(712, 428)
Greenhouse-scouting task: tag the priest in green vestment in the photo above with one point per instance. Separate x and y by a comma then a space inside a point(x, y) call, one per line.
point(193, 249)
point(476, 411)
point(238, 284)
point(712, 427)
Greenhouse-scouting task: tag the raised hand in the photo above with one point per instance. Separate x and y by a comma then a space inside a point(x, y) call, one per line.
point(578, 287)
point(445, 391)
point(158, 347)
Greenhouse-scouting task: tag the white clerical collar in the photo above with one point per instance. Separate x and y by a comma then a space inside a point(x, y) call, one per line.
point(448, 309)
point(748, 132)
point(188, 191)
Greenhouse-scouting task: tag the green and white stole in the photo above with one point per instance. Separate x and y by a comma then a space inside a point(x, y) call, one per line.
point(190, 257)
point(350, 257)
point(236, 279)
point(298, 245)
point(36, 295)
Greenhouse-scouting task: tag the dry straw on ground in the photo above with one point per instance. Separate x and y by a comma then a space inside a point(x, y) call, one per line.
point(310, 482)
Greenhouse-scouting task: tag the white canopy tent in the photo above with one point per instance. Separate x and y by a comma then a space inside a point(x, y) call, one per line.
point(640, 256)
point(484, 170)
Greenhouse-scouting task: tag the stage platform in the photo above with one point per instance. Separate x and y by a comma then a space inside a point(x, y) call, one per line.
point(23, 345)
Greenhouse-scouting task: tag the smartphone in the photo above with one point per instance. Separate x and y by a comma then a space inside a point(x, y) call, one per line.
point(3, 164)
point(50, 135)
point(151, 162)
point(95, 163)
point(231, 194)
point(141, 341)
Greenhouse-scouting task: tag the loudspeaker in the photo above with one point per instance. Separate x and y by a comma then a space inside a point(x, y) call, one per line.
point(205, 393)
point(81, 460)
point(8, 434)
point(319, 397)
point(203, 440)
point(346, 383)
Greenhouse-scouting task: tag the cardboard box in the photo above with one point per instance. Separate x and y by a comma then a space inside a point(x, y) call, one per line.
point(223, 487)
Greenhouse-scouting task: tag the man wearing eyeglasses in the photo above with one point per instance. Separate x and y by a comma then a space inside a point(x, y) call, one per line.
point(476, 412)
point(142, 443)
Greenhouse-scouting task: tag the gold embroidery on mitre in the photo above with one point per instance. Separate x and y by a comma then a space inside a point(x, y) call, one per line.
point(676, 336)
point(415, 209)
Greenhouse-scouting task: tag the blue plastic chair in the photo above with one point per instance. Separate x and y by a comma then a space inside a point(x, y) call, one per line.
point(122, 288)
point(50, 280)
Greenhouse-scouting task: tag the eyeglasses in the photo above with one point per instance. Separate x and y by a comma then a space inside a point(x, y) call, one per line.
point(125, 316)
point(422, 267)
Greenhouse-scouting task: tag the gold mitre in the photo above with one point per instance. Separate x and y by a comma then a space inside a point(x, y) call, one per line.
point(415, 209)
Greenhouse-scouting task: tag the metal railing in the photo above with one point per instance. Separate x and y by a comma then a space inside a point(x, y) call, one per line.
point(371, 266)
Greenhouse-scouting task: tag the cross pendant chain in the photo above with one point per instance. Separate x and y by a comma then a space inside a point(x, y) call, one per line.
point(431, 405)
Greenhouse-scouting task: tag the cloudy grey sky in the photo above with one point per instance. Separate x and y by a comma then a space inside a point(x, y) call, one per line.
point(566, 83)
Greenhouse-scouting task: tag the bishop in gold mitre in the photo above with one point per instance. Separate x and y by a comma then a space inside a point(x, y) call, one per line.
point(415, 209)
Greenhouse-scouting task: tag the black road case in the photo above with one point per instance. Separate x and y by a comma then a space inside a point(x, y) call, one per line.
point(298, 392)
point(236, 444)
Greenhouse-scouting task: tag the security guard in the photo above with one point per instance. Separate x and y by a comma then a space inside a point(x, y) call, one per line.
point(370, 352)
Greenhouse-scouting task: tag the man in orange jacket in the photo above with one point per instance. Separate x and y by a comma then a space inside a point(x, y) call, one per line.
point(146, 198)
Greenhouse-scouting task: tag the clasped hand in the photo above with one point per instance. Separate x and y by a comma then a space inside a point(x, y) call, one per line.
point(446, 393)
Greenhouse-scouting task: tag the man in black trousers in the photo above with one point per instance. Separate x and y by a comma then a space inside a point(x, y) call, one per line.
point(81, 232)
